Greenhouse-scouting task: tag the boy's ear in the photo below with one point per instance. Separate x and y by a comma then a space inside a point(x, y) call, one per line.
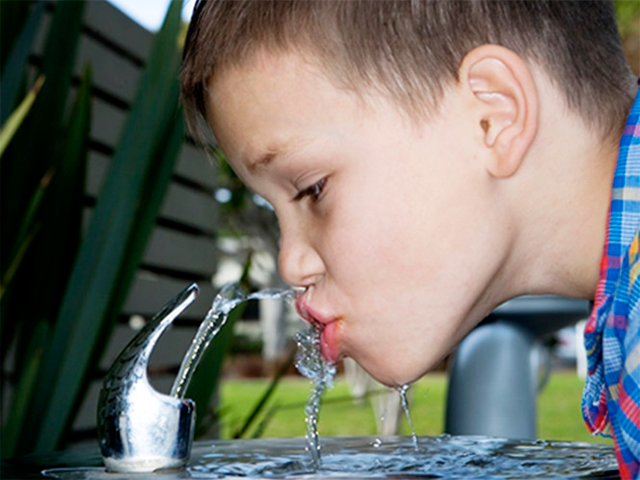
point(505, 105)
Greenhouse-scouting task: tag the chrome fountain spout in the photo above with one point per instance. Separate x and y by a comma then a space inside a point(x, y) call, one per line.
point(140, 429)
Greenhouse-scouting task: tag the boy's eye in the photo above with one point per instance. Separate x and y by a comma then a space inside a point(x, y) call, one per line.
point(314, 192)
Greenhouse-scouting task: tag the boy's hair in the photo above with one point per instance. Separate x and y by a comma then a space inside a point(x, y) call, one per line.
point(410, 50)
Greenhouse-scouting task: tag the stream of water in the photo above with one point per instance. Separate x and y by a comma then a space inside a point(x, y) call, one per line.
point(405, 406)
point(309, 361)
point(229, 297)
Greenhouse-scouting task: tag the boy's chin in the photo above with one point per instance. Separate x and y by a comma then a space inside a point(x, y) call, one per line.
point(392, 374)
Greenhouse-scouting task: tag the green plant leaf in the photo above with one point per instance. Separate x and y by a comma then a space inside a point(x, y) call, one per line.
point(13, 17)
point(24, 163)
point(96, 272)
point(57, 67)
point(26, 235)
point(264, 423)
point(54, 250)
point(30, 154)
point(63, 207)
point(17, 117)
point(18, 412)
point(13, 70)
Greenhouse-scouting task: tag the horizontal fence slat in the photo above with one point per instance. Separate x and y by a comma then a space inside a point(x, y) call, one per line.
point(168, 352)
point(107, 21)
point(111, 72)
point(183, 254)
point(194, 165)
point(181, 204)
point(97, 166)
point(193, 208)
point(179, 251)
point(191, 164)
point(107, 122)
point(148, 294)
point(40, 40)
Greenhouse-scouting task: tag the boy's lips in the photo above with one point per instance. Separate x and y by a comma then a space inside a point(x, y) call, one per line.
point(329, 341)
point(329, 329)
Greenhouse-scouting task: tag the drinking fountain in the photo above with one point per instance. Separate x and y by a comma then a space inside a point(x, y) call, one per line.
point(148, 435)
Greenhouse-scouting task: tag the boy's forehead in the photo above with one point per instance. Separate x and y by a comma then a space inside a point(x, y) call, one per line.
point(259, 77)
point(272, 103)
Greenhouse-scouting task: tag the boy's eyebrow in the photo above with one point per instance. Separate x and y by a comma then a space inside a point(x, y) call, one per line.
point(262, 161)
point(277, 150)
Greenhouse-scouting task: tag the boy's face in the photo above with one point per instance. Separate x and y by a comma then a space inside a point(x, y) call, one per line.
point(389, 223)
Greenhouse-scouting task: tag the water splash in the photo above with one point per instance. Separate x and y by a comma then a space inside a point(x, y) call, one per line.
point(405, 406)
point(229, 297)
point(440, 457)
point(309, 363)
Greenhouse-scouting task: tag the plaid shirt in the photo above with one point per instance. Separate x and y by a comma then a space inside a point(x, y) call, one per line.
point(611, 400)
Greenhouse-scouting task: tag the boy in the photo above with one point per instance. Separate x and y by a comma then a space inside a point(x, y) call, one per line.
point(428, 161)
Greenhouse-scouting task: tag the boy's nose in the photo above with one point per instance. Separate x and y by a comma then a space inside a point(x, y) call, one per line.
point(299, 262)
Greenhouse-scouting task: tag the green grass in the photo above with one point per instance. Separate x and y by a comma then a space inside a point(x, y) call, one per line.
point(559, 416)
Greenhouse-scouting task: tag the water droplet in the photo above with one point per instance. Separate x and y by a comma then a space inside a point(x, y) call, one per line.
point(405, 406)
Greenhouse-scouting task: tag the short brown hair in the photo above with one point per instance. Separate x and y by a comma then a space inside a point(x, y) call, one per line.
point(411, 49)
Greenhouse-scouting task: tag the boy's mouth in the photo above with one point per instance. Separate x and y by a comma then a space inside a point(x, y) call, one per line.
point(329, 329)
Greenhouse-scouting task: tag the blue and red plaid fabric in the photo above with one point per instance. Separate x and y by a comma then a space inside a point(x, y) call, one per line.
point(611, 399)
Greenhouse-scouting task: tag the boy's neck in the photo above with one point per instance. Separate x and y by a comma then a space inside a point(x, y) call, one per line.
point(561, 203)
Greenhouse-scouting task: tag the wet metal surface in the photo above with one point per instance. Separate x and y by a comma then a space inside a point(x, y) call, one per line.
point(382, 457)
